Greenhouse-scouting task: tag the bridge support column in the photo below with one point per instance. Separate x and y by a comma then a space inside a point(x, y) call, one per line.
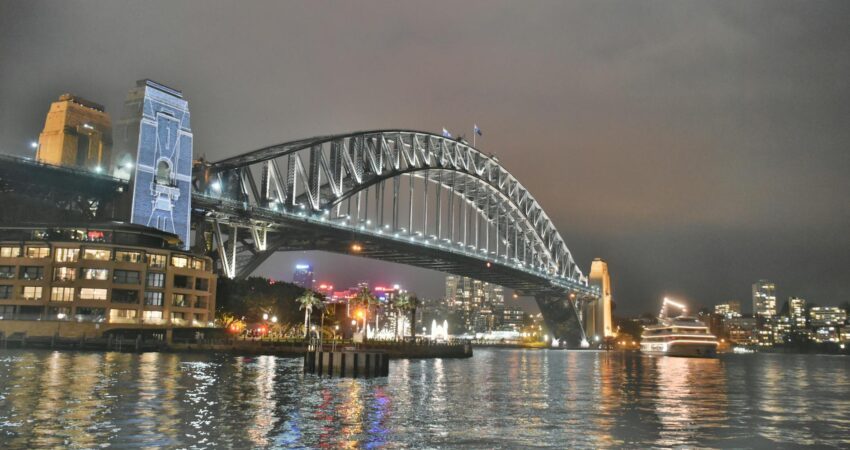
point(561, 319)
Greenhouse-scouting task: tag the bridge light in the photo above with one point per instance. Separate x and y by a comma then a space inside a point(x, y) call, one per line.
point(489, 265)
point(216, 186)
point(33, 144)
point(356, 247)
point(98, 169)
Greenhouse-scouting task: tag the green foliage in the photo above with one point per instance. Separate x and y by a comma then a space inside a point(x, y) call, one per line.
point(252, 297)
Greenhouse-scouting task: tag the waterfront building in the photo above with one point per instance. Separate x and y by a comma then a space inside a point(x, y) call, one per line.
point(741, 330)
point(598, 321)
point(729, 309)
point(512, 317)
point(824, 316)
point(765, 335)
point(782, 328)
point(764, 299)
point(797, 312)
point(112, 273)
point(77, 133)
point(303, 276)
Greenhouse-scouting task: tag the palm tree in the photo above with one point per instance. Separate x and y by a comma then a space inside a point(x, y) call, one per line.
point(365, 298)
point(308, 300)
point(413, 303)
point(401, 302)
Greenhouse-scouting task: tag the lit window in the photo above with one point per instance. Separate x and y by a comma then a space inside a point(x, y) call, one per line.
point(10, 252)
point(157, 261)
point(122, 315)
point(179, 300)
point(67, 254)
point(178, 317)
point(127, 256)
point(198, 264)
point(64, 274)
point(31, 293)
point(97, 254)
point(92, 294)
point(152, 316)
point(155, 279)
point(37, 252)
point(179, 261)
point(94, 274)
point(62, 294)
point(125, 277)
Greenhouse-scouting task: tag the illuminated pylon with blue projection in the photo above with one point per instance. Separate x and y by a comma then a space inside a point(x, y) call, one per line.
point(157, 129)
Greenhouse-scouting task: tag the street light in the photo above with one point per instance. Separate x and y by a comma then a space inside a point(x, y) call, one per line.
point(265, 316)
point(274, 319)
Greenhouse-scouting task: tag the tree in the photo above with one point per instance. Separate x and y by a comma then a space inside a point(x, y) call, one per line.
point(365, 299)
point(308, 301)
point(400, 303)
point(413, 302)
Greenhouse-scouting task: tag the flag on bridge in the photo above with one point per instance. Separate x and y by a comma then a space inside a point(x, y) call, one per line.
point(446, 133)
point(476, 130)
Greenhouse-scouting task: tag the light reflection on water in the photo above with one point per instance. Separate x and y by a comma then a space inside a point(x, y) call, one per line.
point(498, 399)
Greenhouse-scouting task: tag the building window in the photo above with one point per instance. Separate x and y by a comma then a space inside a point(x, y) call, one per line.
point(125, 277)
point(153, 298)
point(5, 292)
point(157, 261)
point(152, 316)
point(127, 256)
point(198, 264)
point(163, 173)
point(179, 300)
point(182, 282)
point(202, 284)
point(31, 293)
point(64, 274)
point(37, 252)
point(7, 272)
point(122, 315)
point(32, 273)
point(10, 252)
point(67, 255)
point(62, 294)
point(155, 279)
point(59, 312)
point(178, 317)
point(179, 261)
point(125, 296)
point(94, 274)
point(92, 314)
point(92, 294)
point(97, 254)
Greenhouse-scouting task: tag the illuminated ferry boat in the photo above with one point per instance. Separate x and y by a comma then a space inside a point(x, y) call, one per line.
point(679, 336)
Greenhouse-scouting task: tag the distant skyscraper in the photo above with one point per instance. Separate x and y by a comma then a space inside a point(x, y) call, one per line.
point(303, 276)
point(602, 324)
point(764, 299)
point(797, 312)
point(479, 303)
point(77, 133)
point(729, 309)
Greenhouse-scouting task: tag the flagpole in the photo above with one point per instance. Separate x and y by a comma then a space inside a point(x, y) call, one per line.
point(473, 138)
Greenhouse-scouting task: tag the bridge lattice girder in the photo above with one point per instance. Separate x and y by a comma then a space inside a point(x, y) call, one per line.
point(488, 210)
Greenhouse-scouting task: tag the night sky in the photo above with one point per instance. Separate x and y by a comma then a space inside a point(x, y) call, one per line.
point(696, 146)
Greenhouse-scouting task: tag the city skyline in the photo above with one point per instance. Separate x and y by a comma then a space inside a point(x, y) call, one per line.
point(711, 172)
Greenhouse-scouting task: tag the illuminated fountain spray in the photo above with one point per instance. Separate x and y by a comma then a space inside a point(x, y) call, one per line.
point(440, 331)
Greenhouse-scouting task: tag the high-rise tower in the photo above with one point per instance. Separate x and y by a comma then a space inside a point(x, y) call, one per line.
point(77, 133)
point(764, 299)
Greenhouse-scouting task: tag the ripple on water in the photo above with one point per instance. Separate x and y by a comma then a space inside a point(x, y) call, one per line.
point(498, 399)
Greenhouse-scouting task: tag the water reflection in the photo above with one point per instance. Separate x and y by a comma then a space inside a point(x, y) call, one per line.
point(498, 399)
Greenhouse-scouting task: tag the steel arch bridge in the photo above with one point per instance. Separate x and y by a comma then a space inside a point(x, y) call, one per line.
point(397, 195)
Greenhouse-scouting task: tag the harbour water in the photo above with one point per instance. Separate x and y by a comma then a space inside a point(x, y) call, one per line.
point(497, 399)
